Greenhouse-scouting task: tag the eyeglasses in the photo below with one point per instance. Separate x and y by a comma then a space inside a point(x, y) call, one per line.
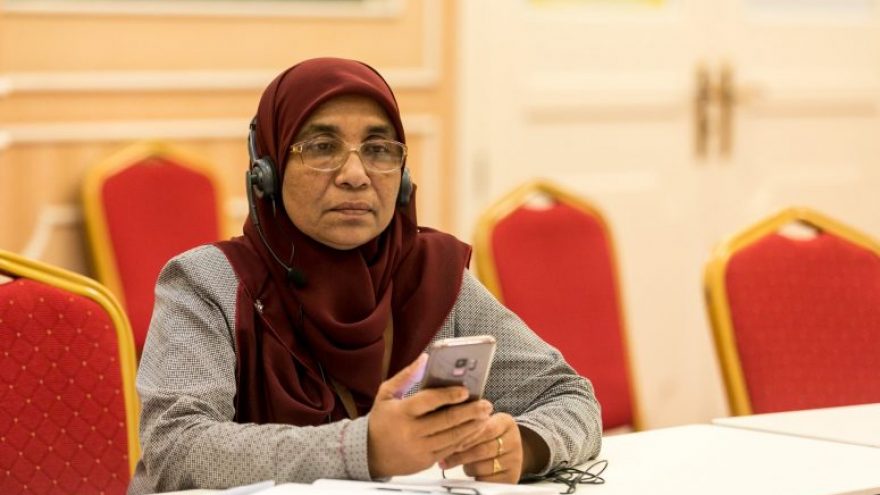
point(328, 154)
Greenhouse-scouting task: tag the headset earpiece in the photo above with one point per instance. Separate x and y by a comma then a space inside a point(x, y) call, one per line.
point(262, 171)
point(263, 178)
point(406, 188)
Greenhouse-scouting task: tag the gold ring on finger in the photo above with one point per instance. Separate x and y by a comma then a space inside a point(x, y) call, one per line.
point(500, 446)
point(496, 466)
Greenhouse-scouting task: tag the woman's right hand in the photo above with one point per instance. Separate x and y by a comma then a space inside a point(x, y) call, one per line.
point(409, 435)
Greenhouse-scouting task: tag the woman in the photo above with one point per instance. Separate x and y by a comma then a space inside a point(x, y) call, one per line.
point(288, 353)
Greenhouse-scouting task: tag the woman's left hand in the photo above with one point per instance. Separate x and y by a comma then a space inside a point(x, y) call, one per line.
point(494, 454)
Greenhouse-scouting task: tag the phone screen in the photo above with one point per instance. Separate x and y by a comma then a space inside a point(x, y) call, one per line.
point(460, 361)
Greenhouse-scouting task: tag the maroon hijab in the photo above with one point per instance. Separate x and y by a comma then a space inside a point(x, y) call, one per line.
point(292, 341)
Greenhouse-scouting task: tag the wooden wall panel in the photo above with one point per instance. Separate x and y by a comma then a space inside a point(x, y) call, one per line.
point(75, 87)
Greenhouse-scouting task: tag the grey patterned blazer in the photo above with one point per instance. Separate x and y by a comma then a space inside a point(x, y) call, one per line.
point(186, 383)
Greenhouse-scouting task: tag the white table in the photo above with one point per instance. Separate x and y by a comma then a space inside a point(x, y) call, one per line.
point(709, 459)
point(858, 425)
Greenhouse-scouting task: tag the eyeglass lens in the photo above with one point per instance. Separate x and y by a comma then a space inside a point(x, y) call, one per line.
point(330, 153)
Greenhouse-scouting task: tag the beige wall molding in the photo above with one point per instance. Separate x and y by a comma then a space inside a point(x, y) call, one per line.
point(118, 81)
point(302, 8)
point(425, 75)
point(124, 130)
point(140, 81)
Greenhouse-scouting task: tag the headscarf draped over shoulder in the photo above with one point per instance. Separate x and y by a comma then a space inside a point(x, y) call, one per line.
point(292, 342)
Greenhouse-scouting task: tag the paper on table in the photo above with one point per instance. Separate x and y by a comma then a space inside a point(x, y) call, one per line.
point(303, 489)
point(248, 489)
point(252, 489)
point(439, 486)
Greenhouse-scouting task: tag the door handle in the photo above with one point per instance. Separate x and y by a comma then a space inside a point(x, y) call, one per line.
point(714, 110)
point(702, 101)
point(726, 105)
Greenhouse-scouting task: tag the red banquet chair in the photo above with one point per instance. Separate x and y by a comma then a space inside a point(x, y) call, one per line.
point(796, 319)
point(144, 205)
point(68, 410)
point(553, 264)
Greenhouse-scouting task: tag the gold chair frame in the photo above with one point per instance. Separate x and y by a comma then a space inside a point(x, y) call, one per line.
point(98, 234)
point(718, 305)
point(83, 286)
point(485, 260)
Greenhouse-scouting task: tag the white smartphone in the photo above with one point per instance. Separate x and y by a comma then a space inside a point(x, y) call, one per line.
point(460, 361)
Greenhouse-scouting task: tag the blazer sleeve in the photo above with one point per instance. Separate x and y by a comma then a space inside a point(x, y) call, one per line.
point(186, 382)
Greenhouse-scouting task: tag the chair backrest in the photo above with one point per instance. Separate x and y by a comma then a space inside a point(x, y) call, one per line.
point(69, 411)
point(549, 257)
point(796, 320)
point(143, 206)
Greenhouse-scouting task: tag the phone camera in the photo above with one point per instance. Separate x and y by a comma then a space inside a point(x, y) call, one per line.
point(461, 362)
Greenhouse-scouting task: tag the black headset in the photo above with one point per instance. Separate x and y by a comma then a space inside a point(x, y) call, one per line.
point(261, 174)
point(261, 178)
